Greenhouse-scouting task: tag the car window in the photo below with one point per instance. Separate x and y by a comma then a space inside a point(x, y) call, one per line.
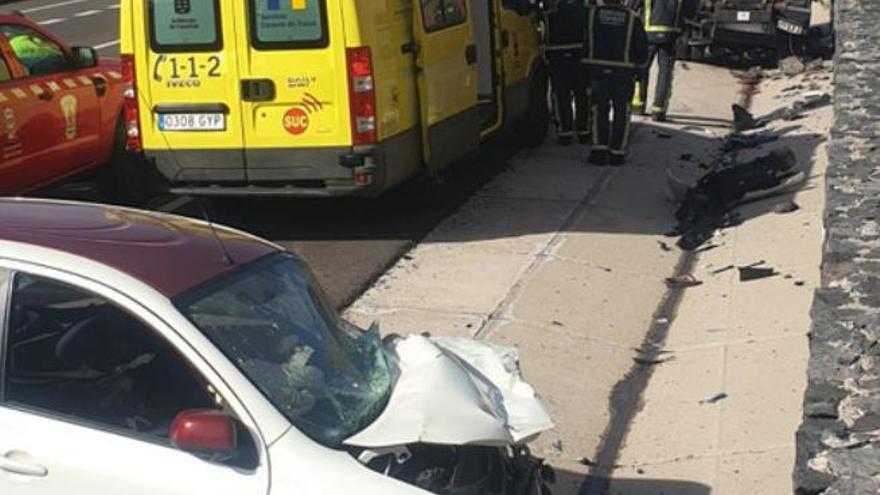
point(185, 25)
point(278, 24)
point(5, 73)
point(72, 354)
point(37, 53)
point(440, 14)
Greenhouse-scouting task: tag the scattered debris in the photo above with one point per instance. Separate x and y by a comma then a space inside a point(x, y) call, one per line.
point(743, 120)
point(557, 323)
point(750, 273)
point(642, 361)
point(708, 205)
point(662, 321)
point(683, 281)
point(786, 207)
point(792, 66)
point(744, 141)
point(722, 270)
point(708, 248)
point(557, 446)
point(665, 247)
point(586, 461)
point(812, 99)
point(716, 399)
point(687, 157)
point(663, 135)
point(800, 283)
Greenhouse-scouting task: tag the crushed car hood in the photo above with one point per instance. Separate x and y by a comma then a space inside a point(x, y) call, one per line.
point(454, 391)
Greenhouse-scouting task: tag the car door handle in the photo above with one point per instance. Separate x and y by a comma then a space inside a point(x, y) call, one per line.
point(470, 54)
point(13, 464)
point(100, 85)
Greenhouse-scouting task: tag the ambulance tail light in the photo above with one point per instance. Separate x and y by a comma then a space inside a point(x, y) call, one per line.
point(131, 114)
point(362, 95)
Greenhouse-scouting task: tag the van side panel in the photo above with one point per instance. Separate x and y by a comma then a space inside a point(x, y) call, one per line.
point(386, 27)
point(521, 56)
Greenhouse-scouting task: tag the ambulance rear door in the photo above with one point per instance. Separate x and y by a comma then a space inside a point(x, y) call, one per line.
point(295, 91)
point(446, 63)
point(189, 88)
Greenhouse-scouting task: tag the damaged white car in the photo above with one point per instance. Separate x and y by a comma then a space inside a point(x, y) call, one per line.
point(151, 354)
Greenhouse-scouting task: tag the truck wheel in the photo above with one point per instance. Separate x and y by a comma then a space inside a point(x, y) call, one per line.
point(126, 179)
point(534, 126)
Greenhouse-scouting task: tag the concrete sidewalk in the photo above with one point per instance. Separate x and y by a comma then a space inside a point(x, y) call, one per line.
point(567, 262)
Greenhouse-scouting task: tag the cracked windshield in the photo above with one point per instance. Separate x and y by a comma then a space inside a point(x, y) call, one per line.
point(329, 378)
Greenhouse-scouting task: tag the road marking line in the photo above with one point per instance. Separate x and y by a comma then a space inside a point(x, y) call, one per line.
point(115, 6)
point(106, 45)
point(53, 6)
point(87, 13)
point(175, 204)
point(49, 22)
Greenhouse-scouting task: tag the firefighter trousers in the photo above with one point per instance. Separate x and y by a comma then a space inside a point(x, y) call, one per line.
point(612, 90)
point(665, 54)
point(570, 85)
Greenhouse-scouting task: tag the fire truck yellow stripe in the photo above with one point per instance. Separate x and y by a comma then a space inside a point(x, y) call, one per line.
point(53, 86)
point(36, 90)
point(85, 80)
point(19, 93)
point(115, 75)
point(70, 83)
point(3, 97)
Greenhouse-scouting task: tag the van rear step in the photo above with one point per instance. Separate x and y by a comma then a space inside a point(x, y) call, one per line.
point(300, 188)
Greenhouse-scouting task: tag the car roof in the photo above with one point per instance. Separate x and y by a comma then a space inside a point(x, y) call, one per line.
point(169, 253)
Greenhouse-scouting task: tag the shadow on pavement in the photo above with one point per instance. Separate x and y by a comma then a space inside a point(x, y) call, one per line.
point(569, 484)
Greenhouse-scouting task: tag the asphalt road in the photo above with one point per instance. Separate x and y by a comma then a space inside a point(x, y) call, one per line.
point(79, 22)
point(348, 243)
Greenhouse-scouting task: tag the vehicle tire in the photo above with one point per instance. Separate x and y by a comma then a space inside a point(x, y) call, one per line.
point(127, 179)
point(532, 130)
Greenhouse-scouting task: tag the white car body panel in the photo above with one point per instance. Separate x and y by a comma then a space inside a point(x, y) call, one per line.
point(456, 392)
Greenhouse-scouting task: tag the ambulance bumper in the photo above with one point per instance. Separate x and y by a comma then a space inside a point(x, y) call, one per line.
point(314, 172)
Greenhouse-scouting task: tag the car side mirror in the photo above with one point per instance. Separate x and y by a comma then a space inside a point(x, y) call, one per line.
point(204, 431)
point(84, 57)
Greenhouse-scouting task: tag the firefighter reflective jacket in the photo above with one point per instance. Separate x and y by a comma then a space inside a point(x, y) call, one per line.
point(566, 25)
point(666, 16)
point(615, 38)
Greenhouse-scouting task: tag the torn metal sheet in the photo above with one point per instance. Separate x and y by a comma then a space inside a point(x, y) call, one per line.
point(455, 391)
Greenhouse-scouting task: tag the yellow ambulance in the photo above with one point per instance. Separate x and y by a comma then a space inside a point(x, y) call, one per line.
point(325, 97)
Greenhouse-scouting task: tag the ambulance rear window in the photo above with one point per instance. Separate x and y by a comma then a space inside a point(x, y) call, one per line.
point(185, 25)
point(279, 24)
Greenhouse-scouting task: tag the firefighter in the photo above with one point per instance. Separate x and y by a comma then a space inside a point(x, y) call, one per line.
point(664, 20)
point(566, 23)
point(616, 49)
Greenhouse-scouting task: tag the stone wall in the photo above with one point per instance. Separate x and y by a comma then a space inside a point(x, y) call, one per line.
point(839, 441)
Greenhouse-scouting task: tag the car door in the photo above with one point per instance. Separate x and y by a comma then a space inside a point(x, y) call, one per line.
point(62, 134)
point(88, 394)
point(13, 114)
point(446, 61)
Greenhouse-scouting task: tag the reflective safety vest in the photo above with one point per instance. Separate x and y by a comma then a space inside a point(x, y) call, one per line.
point(663, 16)
point(566, 26)
point(615, 38)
